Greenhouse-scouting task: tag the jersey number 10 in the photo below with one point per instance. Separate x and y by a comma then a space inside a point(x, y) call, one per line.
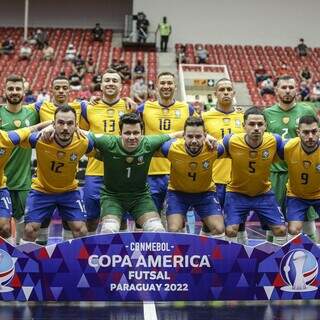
point(165, 124)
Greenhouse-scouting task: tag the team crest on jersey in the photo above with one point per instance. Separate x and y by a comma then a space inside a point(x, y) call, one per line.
point(27, 122)
point(206, 164)
point(140, 160)
point(178, 113)
point(306, 164)
point(110, 112)
point(253, 154)
point(285, 120)
point(2, 152)
point(17, 123)
point(237, 123)
point(193, 165)
point(318, 167)
point(73, 157)
point(265, 154)
point(60, 154)
point(129, 159)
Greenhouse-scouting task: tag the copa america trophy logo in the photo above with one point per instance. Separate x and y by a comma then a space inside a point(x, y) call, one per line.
point(298, 269)
point(6, 271)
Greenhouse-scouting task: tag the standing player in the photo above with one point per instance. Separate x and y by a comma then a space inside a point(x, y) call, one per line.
point(282, 118)
point(101, 118)
point(18, 169)
point(252, 154)
point(302, 156)
point(190, 183)
point(219, 121)
point(126, 163)
point(55, 185)
point(163, 116)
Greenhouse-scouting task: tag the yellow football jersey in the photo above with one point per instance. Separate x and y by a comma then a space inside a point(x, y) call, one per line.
point(159, 119)
point(101, 118)
point(304, 171)
point(218, 124)
point(57, 166)
point(190, 174)
point(8, 140)
point(251, 166)
point(46, 109)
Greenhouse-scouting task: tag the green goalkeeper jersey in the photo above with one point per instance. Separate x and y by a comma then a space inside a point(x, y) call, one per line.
point(126, 172)
point(18, 168)
point(285, 123)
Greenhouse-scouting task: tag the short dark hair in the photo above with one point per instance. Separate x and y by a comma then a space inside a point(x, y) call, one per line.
point(221, 80)
point(110, 70)
point(285, 77)
point(14, 78)
point(308, 120)
point(166, 73)
point(60, 78)
point(253, 110)
point(194, 122)
point(65, 108)
point(130, 118)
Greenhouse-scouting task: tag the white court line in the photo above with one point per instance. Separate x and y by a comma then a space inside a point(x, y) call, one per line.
point(149, 310)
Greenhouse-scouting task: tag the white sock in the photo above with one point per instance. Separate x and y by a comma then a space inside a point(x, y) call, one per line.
point(232, 239)
point(19, 230)
point(43, 235)
point(309, 227)
point(22, 241)
point(242, 237)
point(281, 240)
point(67, 235)
point(202, 233)
point(290, 236)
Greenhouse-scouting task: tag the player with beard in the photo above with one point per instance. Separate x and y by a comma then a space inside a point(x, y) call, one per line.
point(282, 118)
point(166, 115)
point(220, 121)
point(190, 183)
point(302, 156)
point(252, 154)
point(18, 169)
point(55, 185)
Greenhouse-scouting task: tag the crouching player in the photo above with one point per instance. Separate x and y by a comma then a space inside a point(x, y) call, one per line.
point(126, 163)
point(302, 155)
point(55, 185)
point(191, 183)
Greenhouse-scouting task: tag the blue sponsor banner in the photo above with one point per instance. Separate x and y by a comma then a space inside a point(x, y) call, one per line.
point(158, 267)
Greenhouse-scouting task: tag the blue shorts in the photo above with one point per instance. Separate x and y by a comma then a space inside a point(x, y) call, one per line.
point(5, 204)
point(158, 188)
point(221, 193)
point(238, 205)
point(91, 196)
point(40, 206)
point(205, 203)
point(297, 208)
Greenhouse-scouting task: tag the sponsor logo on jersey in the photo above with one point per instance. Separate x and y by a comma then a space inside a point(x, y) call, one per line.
point(306, 164)
point(60, 154)
point(165, 110)
point(318, 167)
point(206, 164)
point(27, 122)
point(129, 159)
point(265, 154)
point(140, 160)
point(237, 123)
point(178, 113)
point(193, 165)
point(2, 152)
point(253, 154)
point(110, 112)
point(17, 123)
point(73, 157)
point(226, 120)
point(285, 120)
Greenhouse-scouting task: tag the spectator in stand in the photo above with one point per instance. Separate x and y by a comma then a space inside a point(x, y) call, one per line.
point(79, 66)
point(165, 30)
point(267, 87)
point(181, 55)
point(198, 105)
point(139, 90)
point(96, 82)
point(40, 39)
point(29, 97)
point(139, 69)
point(302, 49)
point(84, 93)
point(152, 92)
point(90, 65)
point(97, 33)
point(48, 52)
point(70, 53)
point(43, 96)
point(305, 74)
point(210, 103)
point(75, 82)
point(115, 64)
point(304, 92)
point(201, 54)
point(283, 70)
point(124, 71)
point(7, 47)
point(25, 51)
point(315, 92)
point(260, 74)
